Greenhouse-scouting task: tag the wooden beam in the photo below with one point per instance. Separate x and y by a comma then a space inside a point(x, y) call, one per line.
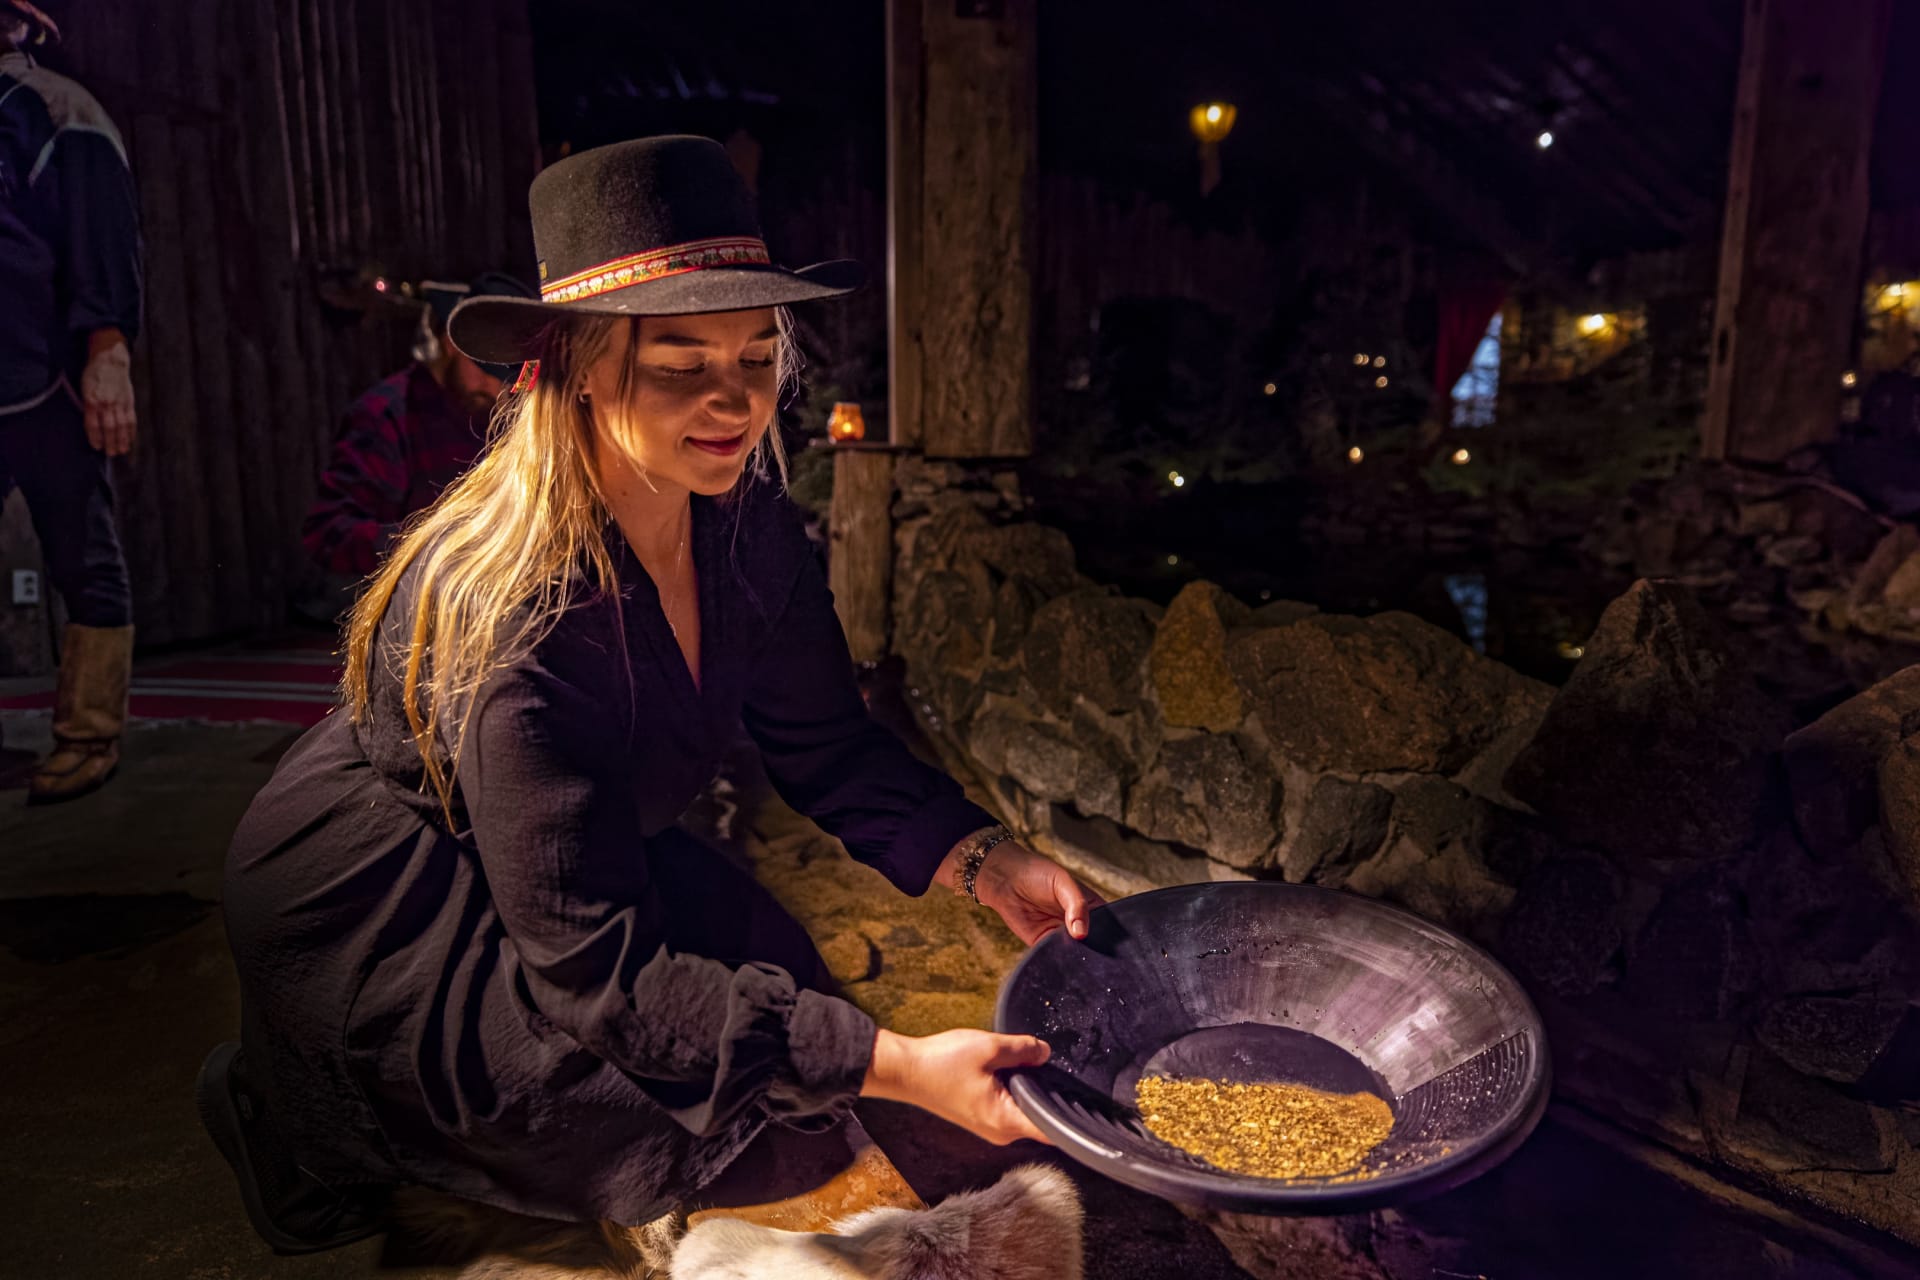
point(860, 546)
point(906, 135)
point(1755, 21)
point(979, 184)
point(1795, 226)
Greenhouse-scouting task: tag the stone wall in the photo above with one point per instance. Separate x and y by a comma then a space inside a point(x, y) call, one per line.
point(1715, 908)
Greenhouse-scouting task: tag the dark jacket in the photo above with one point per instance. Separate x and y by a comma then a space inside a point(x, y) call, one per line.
point(499, 1009)
point(69, 230)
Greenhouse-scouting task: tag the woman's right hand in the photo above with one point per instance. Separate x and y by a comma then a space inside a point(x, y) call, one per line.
point(952, 1075)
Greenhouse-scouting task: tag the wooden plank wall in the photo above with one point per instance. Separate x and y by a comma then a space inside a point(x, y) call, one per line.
point(274, 142)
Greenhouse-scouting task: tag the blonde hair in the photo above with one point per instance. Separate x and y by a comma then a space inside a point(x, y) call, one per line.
point(499, 553)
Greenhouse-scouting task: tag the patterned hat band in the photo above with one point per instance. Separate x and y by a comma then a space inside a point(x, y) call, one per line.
point(695, 255)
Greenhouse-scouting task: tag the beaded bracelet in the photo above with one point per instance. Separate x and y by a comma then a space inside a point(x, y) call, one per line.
point(981, 843)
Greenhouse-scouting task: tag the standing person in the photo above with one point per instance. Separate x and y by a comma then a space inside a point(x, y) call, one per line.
point(399, 445)
point(70, 278)
point(475, 950)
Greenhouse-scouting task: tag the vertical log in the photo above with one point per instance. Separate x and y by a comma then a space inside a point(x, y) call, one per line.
point(980, 161)
point(906, 132)
point(860, 552)
point(1796, 222)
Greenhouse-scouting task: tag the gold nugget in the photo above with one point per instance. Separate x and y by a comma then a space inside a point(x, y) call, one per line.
point(1267, 1130)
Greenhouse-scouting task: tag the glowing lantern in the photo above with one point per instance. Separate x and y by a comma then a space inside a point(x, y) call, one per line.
point(1360, 357)
point(846, 423)
point(1356, 454)
point(1270, 389)
point(1211, 123)
point(1545, 139)
point(1461, 457)
point(1595, 323)
point(1849, 379)
point(1380, 381)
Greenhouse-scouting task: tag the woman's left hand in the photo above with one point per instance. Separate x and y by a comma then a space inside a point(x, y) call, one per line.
point(1034, 895)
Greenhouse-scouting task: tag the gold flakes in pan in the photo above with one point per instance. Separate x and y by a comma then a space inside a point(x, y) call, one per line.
point(1267, 1130)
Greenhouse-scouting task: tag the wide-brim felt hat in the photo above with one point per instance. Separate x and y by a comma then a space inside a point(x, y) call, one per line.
point(654, 227)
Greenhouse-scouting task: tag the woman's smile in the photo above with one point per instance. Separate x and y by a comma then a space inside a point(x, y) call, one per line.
point(719, 446)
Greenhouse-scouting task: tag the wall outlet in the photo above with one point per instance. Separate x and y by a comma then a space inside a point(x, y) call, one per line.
point(26, 586)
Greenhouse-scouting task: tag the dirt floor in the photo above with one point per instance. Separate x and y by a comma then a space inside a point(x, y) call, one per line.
point(115, 981)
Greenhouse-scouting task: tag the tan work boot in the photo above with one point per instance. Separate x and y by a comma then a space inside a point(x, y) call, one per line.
point(89, 713)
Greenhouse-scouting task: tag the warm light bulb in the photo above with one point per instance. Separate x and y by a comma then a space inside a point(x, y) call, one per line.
point(1461, 457)
point(1379, 362)
point(1213, 115)
point(1593, 323)
point(1849, 379)
point(1356, 453)
point(1173, 559)
point(1380, 381)
point(1545, 139)
point(1178, 479)
point(1360, 358)
point(1269, 389)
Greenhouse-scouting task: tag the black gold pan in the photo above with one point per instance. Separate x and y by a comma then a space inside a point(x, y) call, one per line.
point(1265, 982)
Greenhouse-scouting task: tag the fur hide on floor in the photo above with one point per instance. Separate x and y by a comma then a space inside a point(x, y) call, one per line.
point(1024, 1227)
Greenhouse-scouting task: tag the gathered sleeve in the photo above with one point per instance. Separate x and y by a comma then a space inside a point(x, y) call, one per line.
point(559, 837)
point(101, 215)
point(828, 758)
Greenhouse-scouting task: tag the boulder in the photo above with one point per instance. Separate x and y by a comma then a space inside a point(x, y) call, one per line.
point(1837, 1038)
point(1899, 785)
point(1191, 678)
point(1789, 1122)
point(1692, 961)
point(1089, 644)
point(1387, 693)
point(1833, 765)
point(1343, 825)
point(1894, 549)
point(1565, 929)
point(1659, 748)
point(1434, 860)
point(1025, 552)
point(1205, 792)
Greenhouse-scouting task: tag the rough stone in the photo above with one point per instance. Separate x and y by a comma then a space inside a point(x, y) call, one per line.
point(1204, 792)
point(1387, 693)
point(1799, 549)
point(1771, 516)
point(1899, 779)
point(1280, 613)
point(1902, 592)
point(1191, 679)
point(1832, 764)
point(1789, 1122)
point(1433, 863)
point(1042, 760)
point(1101, 843)
point(1026, 552)
point(1829, 927)
point(1893, 550)
point(1343, 825)
point(1691, 961)
point(1564, 932)
point(1091, 644)
point(1837, 1038)
point(1659, 747)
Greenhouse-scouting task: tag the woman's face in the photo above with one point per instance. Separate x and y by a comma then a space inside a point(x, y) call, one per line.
point(701, 394)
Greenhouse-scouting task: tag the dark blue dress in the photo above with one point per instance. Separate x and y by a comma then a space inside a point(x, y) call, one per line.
point(564, 1005)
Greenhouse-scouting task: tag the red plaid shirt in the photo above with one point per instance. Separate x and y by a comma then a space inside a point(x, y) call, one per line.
point(399, 445)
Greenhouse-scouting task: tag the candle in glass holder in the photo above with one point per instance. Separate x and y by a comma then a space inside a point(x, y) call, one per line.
point(846, 424)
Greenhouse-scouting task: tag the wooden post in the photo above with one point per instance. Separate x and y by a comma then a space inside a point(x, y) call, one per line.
point(978, 154)
point(905, 133)
point(860, 545)
point(1796, 216)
